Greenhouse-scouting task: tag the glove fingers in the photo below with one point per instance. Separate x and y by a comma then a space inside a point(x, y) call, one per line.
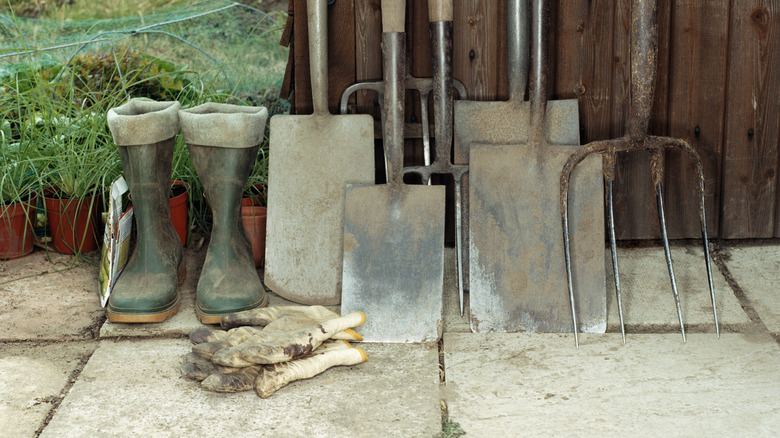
point(206, 334)
point(348, 335)
point(266, 315)
point(288, 347)
point(242, 379)
point(234, 337)
point(197, 368)
point(257, 317)
point(277, 376)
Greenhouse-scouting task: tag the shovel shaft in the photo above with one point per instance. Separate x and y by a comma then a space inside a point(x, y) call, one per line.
point(441, 33)
point(318, 53)
point(517, 48)
point(394, 72)
point(538, 87)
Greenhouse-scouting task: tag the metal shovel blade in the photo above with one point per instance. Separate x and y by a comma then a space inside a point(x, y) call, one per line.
point(312, 158)
point(394, 261)
point(518, 276)
point(393, 267)
point(518, 279)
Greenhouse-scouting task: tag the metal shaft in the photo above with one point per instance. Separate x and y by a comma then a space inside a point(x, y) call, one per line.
point(668, 254)
point(613, 249)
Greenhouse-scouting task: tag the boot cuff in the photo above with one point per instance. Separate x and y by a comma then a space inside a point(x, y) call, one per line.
point(223, 125)
point(140, 122)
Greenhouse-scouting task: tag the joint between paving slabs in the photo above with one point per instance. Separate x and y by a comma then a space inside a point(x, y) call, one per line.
point(57, 400)
point(720, 255)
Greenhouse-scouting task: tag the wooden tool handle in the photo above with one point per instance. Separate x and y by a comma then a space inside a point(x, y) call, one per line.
point(644, 49)
point(439, 10)
point(517, 48)
point(538, 90)
point(393, 15)
point(317, 14)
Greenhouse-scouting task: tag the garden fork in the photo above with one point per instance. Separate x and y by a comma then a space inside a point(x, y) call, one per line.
point(644, 48)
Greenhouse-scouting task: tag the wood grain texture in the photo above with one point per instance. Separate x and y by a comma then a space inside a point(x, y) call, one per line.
point(750, 161)
point(697, 68)
point(368, 54)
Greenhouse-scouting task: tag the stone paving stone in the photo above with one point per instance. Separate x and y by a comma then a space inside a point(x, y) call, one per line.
point(757, 271)
point(135, 388)
point(648, 301)
point(45, 296)
point(540, 385)
point(33, 378)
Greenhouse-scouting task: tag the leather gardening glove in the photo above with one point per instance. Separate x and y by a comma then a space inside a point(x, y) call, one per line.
point(267, 379)
point(288, 333)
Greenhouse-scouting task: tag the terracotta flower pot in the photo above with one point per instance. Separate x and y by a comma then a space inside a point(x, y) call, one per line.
point(253, 218)
point(16, 228)
point(179, 208)
point(71, 224)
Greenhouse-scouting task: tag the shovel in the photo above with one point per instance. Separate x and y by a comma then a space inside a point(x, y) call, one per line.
point(312, 159)
point(394, 233)
point(518, 275)
point(506, 122)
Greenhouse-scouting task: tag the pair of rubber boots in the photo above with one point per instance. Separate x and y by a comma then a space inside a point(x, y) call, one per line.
point(223, 141)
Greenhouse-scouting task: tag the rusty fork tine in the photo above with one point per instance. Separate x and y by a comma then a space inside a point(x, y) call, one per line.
point(613, 245)
point(696, 159)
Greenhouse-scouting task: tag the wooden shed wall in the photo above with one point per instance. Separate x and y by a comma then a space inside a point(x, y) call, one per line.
point(717, 86)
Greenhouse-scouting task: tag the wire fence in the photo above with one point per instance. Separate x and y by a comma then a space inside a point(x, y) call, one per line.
point(229, 45)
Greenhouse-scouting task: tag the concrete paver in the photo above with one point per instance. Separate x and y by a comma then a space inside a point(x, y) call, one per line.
point(540, 385)
point(757, 270)
point(648, 301)
point(135, 388)
point(44, 296)
point(33, 378)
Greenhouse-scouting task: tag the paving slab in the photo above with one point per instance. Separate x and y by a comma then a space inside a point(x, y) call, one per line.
point(540, 385)
point(46, 295)
point(34, 377)
point(757, 271)
point(135, 388)
point(648, 301)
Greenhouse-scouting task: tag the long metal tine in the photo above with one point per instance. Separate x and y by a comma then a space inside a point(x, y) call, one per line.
point(709, 263)
point(613, 249)
point(458, 244)
point(668, 254)
point(567, 256)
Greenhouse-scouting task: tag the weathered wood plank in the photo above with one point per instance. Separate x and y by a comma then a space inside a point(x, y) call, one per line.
point(752, 112)
point(368, 53)
point(698, 68)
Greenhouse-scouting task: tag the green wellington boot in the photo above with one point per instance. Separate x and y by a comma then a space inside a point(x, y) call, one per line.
point(146, 291)
point(223, 141)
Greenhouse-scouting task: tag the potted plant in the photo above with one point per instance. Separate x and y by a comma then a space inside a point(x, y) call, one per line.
point(253, 207)
point(17, 198)
point(81, 165)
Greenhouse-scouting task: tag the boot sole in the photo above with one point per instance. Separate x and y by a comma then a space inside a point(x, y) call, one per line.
point(136, 318)
point(181, 273)
point(208, 318)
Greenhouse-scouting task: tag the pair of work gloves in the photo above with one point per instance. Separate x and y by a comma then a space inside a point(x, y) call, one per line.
point(268, 348)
